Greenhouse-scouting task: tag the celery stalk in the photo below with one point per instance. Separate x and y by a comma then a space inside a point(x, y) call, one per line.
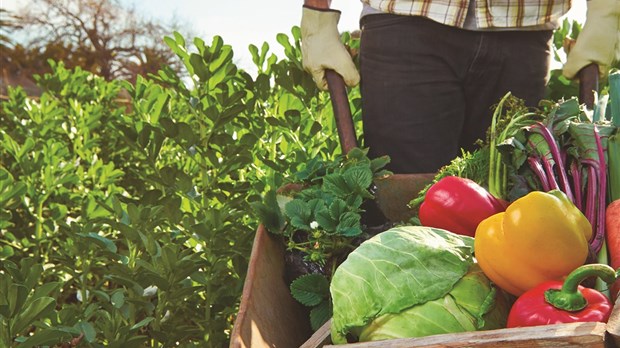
point(603, 258)
point(613, 170)
point(614, 96)
point(613, 143)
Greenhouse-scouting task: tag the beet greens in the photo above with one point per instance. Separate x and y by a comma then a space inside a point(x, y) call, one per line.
point(566, 151)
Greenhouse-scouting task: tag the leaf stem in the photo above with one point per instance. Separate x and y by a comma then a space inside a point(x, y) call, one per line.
point(538, 169)
point(494, 155)
point(599, 237)
point(576, 175)
point(557, 157)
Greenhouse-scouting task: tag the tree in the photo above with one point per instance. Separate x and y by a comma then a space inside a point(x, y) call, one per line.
point(101, 36)
point(7, 23)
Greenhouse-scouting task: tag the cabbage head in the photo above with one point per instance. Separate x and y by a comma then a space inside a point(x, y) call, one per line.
point(413, 281)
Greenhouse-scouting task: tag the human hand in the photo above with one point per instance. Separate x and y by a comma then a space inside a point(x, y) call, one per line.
point(322, 49)
point(599, 40)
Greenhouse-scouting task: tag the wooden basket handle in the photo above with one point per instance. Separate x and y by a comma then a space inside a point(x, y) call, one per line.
point(342, 111)
point(588, 84)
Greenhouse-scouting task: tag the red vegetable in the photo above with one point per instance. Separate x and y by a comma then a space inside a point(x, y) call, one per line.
point(612, 232)
point(458, 205)
point(552, 302)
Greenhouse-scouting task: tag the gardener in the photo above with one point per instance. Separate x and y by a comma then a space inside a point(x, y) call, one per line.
point(432, 69)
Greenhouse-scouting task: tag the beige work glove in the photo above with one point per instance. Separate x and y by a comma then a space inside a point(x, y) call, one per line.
point(322, 49)
point(598, 42)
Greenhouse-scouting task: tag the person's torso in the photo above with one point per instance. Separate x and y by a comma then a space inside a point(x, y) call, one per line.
point(478, 14)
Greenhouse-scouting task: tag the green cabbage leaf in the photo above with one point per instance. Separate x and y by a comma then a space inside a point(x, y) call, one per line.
point(412, 281)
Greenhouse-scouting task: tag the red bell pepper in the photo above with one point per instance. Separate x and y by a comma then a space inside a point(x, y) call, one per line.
point(458, 205)
point(554, 302)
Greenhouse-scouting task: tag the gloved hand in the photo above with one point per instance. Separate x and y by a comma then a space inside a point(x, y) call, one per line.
point(322, 49)
point(598, 41)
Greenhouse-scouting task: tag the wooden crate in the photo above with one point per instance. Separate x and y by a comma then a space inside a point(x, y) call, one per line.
point(269, 317)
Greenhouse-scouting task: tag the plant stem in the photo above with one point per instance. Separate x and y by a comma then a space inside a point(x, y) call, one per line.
point(538, 169)
point(589, 211)
point(39, 224)
point(569, 298)
point(494, 155)
point(599, 237)
point(613, 154)
point(548, 166)
point(576, 175)
point(5, 334)
point(557, 158)
point(83, 279)
point(614, 95)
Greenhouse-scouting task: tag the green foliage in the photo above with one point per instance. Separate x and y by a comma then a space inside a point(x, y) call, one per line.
point(129, 223)
point(323, 217)
point(312, 290)
point(320, 222)
point(558, 86)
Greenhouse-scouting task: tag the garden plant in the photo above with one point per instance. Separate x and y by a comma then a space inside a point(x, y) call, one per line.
point(128, 221)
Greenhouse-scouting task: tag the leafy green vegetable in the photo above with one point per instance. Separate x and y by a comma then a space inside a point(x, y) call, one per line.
point(566, 150)
point(409, 282)
point(613, 143)
point(504, 127)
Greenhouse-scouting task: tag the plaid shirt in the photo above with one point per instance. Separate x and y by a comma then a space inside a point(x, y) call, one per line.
point(489, 13)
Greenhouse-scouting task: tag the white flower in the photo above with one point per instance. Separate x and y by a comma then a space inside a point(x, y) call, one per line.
point(149, 291)
point(166, 316)
point(314, 225)
point(80, 296)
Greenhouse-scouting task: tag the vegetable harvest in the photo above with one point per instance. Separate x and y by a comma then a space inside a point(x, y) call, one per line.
point(554, 302)
point(566, 151)
point(413, 281)
point(455, 273)
point(541, 236)
point(458, 205)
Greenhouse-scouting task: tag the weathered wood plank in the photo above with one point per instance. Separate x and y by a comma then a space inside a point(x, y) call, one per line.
point(268, 315)
point(320, 338)
point(613, 325)
point(561, 335)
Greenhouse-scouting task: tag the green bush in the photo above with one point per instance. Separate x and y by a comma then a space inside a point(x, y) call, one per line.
point(129, 223)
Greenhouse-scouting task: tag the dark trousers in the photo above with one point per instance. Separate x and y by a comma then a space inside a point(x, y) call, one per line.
point(428, 89)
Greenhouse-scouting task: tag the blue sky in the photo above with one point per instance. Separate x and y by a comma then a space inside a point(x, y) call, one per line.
point(244, 22)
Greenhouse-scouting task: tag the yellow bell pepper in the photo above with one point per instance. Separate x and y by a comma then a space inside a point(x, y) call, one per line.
point(541, 236)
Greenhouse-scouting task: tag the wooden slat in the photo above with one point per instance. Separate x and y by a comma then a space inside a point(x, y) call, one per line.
point(561, 335)
point(268, 315)
point(394, 192)
point(613, 324)
point(320, 338)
